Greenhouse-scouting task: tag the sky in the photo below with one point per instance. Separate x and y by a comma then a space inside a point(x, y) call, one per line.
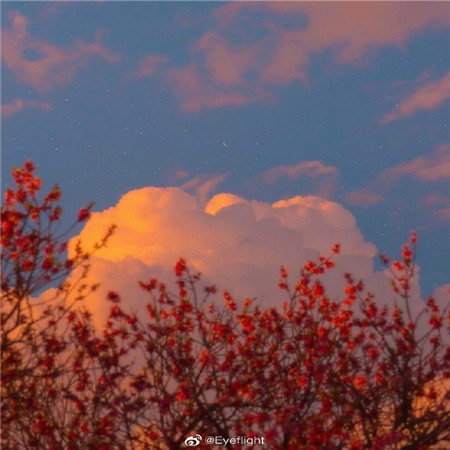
point(240, 135)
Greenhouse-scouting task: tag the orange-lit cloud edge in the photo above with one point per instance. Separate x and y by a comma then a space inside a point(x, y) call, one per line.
point(237, 244)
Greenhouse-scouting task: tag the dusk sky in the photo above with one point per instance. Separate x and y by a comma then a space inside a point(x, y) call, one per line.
point(339, 109)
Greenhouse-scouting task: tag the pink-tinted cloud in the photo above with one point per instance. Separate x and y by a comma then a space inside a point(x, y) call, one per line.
point(441, 294)
point(443, 214)
point(356, 28)
point(288, 61)
point(351, 28)
point(52, 9)
point(202, 186)
point(54, 65)
point(148, 65)
point(324, 176)
point(234, 75)
point(439, 204)
point(362, 198)
point(226, 65)
point(195, 91)
point(427, 97)
point(310, 169)
point(18, 104)
point(178, 175)
point(433, 168)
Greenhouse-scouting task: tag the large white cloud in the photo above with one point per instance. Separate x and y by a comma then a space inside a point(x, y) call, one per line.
point(237, 244)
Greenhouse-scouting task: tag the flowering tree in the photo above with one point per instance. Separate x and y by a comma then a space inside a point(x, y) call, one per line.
point(313, 373)
point(34, 349)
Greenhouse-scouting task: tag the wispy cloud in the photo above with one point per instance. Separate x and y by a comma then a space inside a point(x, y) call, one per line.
point(310, 169)
point(18, 104)
point(362, 198)
point(324, 176)
point(432, 169)
point(53, 65)
point(195, 91)
point(226, 64)
point(426, 97)
point(440, 204)
point(223, 72)
point(148, 65)
point(202, 186)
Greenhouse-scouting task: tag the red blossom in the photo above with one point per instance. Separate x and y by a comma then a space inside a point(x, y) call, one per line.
point(336, 248)
point(113, 297)
point(180, 267)
point(360, 381)
point(83, 214)
point(436, 321)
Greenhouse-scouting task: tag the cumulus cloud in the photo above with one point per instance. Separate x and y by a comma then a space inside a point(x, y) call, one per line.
point(19, 104)
point(53, 65)
point(237, 244)
point(441, 294)
point(426, 97)
point(225, 72)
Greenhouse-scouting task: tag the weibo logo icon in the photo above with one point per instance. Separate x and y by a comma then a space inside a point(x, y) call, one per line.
point(193, 441)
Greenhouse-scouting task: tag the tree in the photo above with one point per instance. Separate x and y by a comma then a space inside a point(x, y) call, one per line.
point(312, 373)
point(34, 349)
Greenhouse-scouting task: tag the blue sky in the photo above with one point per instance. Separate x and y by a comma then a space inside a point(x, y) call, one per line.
point(344, 101)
